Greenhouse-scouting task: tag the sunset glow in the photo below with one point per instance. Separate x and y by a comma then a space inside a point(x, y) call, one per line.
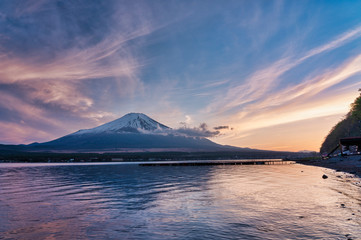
point(278, 74)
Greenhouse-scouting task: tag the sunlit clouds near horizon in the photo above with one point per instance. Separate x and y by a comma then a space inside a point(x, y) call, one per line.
point(266, 74)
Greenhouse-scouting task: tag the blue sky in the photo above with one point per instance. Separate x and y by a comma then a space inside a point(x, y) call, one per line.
point(280, 74)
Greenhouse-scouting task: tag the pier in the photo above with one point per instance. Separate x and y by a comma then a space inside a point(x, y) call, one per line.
point(219, 162)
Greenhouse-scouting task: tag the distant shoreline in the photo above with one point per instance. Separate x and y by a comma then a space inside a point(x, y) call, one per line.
point(146, 156)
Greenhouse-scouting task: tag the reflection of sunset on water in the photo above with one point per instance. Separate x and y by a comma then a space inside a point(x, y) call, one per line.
point(93, 201)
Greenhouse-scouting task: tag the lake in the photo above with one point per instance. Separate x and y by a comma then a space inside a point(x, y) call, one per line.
point(127, 201)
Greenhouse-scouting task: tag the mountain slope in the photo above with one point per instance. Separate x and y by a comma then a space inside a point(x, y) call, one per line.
point(134, 131)
point(350, 126)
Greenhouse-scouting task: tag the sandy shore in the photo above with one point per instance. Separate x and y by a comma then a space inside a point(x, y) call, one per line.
point(349, 164)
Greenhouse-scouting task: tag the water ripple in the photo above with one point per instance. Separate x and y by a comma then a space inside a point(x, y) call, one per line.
point(198, 202)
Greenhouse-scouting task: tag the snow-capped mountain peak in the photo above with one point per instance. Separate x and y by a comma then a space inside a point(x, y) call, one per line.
point(130, 122)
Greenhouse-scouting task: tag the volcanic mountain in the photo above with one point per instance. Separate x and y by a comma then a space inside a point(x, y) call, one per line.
point(132, 132)
point(131, 122)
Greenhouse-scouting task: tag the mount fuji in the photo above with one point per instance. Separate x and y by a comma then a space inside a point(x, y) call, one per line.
point(132, 132)
point(131, 122)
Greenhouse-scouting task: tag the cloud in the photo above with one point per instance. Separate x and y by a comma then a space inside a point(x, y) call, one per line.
point(257, 85)
point(221, 127)
point(312, 99)
point(22, 122)
point(307, 95)
point(303, 101)
point(22, 133)
point(201, 131)
point(292, 136)
point(339, 41)
point(261, 102)
point(61, 61)
point(265, 81)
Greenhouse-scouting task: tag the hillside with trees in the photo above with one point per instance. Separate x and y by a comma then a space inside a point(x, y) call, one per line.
point(350, 126)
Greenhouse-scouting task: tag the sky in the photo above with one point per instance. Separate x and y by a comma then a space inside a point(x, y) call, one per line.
point(277, 75)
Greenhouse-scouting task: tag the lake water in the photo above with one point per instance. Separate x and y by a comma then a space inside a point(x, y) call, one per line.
point(127, 201)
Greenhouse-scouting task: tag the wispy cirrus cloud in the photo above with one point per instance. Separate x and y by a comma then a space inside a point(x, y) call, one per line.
point(261, 102)
point(262, 81)
point(20, 121)
point(22, 133)
point(71, 62)
point(337, 42)
point(58, 81)
point(310, 88)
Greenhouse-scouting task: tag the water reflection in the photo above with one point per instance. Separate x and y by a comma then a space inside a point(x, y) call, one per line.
point(194, 202)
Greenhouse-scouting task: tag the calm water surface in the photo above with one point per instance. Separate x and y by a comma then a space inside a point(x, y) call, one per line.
point(120, 201)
